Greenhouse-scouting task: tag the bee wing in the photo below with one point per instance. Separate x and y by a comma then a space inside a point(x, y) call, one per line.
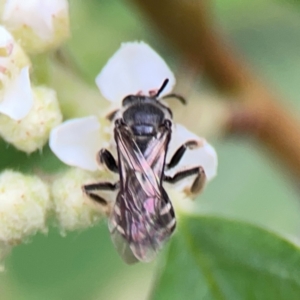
point(143, 216)
point(140, 228)
point(123, 247)
point(131, 158)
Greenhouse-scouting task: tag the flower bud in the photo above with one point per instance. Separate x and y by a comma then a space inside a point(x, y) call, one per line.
point(32, 132)
point(24, 204)
point(39, 25)
point(74, 210)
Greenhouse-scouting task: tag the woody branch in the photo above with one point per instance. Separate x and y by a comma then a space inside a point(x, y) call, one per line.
point(188, 26)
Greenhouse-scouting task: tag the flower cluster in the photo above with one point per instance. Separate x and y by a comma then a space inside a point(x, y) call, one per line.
point(27, 112)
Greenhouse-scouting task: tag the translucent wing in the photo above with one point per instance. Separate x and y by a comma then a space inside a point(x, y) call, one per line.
point(143, 216)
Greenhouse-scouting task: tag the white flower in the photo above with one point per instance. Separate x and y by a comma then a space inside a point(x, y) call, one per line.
point(39, 24)
point(26, 114)
point(133, 69)
point(16, 97)
point(32, 132)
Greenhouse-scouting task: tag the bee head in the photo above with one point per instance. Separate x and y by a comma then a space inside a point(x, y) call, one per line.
point(153, 96)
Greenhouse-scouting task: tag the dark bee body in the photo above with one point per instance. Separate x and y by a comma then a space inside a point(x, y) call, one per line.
point(143, 213)
point(142, 216)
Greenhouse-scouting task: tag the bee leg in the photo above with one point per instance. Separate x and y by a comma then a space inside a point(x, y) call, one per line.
point(198, 183)
point(180, 152)
point(105, 157)
point(91, 190)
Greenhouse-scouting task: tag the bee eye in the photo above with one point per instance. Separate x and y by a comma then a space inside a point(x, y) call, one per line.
point(127, 100)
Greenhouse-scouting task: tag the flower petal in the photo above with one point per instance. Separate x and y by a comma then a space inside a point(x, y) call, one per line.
point(17, 99)
point(204, 156)
point(76, 142)
point(134, 68)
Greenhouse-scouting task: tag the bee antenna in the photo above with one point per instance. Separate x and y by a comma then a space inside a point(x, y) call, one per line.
point(162, 87)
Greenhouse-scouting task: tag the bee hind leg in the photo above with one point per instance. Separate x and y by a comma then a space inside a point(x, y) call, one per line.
point(92, 189)
point(197, 184)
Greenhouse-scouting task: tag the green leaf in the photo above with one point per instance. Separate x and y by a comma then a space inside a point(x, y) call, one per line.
point(216, 258)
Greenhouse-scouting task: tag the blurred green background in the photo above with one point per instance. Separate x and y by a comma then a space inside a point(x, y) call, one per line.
point(249, 186)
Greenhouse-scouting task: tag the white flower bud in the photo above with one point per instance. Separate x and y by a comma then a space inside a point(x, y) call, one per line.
point(74, 210)
point(32, 132)
point(24, 204)
point(39, 25)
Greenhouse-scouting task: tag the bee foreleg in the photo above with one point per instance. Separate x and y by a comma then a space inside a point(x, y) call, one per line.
point(180, 152)
point(197, 184)
point(91, 190)
point(105, 157)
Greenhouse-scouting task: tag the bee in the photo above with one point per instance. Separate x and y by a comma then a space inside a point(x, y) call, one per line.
point(142, 218)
